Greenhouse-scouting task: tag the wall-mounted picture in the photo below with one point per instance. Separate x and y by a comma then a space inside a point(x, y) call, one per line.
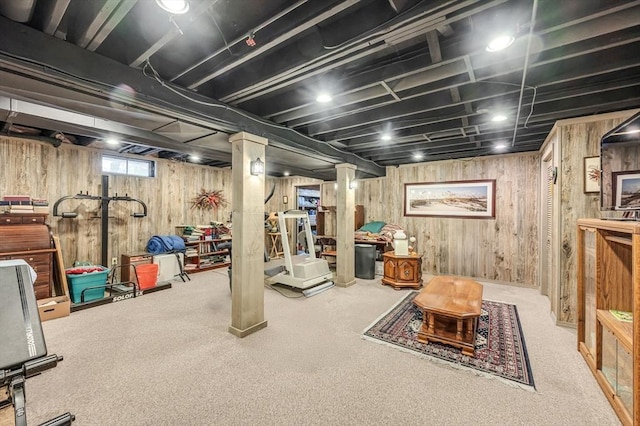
point(464, 198)
point(626, 190)
point(591, 174)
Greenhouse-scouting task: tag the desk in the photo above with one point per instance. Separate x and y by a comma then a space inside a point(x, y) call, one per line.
point(275, 241)
point(330, 240)
point(450, 310)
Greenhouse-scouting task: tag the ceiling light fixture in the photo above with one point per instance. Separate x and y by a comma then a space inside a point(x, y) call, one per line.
point(498, 117)
point(176, 7)
point(286, 173)
point(500, 43)
point(418, 156)
point(323, 98)
point(500, 147)
point(194, 158)
point(113, 141)
point(385, 137)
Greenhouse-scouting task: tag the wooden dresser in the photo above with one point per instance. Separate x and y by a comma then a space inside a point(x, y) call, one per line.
point(402, 271)
point(26, 236)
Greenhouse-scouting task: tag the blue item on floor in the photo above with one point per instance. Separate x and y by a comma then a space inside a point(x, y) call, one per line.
point(95, 282)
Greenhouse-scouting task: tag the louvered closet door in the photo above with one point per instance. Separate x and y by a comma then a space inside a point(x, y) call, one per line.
point(546, 255)
point(549, 255)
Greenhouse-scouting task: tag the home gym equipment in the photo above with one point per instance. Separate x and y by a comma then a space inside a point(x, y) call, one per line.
point(104, 199)
point(302, 271)
point(23, 352)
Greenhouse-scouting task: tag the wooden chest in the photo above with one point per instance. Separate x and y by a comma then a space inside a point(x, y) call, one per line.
point(31, 242)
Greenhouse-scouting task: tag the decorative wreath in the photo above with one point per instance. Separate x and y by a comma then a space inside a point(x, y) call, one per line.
point(209, 200)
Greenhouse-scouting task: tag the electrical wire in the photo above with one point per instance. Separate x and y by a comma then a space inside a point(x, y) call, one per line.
point(224, 39)
point(524, 70)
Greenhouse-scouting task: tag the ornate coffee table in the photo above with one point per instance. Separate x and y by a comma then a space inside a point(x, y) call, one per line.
point(450, 310)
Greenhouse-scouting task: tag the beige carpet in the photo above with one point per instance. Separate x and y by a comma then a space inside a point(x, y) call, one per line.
point(167, 359)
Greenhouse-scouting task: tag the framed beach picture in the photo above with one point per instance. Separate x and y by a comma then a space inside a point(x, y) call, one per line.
point(591, 174)
point(465, 198)
point(626, 190)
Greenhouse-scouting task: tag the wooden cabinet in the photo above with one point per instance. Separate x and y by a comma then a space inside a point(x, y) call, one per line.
point(608, 309)
point(127, 263)
point(27, 237)
point(402, 271)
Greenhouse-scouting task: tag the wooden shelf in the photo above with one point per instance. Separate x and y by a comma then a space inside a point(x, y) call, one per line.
point(622, 240)
point(623, 331)
point(196, 262)
point(608, 279)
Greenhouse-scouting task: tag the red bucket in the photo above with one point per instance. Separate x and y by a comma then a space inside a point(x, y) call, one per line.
point(147, 275)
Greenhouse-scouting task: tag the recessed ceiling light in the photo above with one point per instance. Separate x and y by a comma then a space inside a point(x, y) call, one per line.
point(385, 137)
point(177, 7)
point(499, 117)
point(500, 42)
point(324, 98)
point(113, 141)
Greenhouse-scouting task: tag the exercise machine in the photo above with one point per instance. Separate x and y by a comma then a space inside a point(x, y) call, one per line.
point(303, 271)
point(23, 352)
point(104, 199)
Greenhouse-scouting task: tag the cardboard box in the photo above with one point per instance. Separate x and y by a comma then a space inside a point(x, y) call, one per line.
point(59, 306)
point(54, 307)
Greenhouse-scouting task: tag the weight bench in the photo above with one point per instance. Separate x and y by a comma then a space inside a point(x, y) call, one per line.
point(23, 352)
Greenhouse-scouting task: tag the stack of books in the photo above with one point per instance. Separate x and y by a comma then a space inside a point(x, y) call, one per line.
point(193, 233)
point(23, 204)
point(40, 205)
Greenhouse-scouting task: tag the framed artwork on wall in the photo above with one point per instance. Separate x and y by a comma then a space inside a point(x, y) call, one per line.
point(473, 199)
point(591, 175)
point(626, 190)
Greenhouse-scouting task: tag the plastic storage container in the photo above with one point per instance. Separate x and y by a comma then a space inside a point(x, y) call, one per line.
point(365, 261)
point(147, 275)
point(90, 279)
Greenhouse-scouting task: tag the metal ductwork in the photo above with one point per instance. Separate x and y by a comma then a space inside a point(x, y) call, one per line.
point(18, 10)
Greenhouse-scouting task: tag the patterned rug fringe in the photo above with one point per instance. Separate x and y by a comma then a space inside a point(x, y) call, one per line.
point(452, 365)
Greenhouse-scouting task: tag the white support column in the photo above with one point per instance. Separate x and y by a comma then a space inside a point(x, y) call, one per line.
point(345, 223)
point(247, 298)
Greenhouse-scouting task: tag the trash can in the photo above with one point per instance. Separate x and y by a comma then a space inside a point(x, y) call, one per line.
point(365, 261)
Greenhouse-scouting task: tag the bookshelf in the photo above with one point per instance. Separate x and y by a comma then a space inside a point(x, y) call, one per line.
point(204, 249)
point(608, 282)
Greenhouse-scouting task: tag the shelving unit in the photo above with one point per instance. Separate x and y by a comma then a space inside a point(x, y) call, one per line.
point(609, 281)
point(309, 201)
point(204, 253)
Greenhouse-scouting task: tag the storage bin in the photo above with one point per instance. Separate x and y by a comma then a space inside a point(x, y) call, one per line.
point(147, 275)
point(94, 280)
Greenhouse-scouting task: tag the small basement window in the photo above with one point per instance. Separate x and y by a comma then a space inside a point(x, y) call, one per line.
point(128, 166)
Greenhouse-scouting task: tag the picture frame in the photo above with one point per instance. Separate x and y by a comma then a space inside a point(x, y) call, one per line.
point(591, 180)
point(470, 199)
point(626, 190)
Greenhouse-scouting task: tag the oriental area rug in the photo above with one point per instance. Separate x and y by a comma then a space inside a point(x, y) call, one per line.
point(500, 349)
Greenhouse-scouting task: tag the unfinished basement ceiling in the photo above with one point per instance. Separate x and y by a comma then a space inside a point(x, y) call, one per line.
point(416, 72)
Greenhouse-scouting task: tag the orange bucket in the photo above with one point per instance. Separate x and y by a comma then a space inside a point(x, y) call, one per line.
point(147, 275)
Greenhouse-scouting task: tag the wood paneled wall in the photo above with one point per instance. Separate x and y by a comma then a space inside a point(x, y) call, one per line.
point(41, 170)
point(504, 249)
point(578, 139)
